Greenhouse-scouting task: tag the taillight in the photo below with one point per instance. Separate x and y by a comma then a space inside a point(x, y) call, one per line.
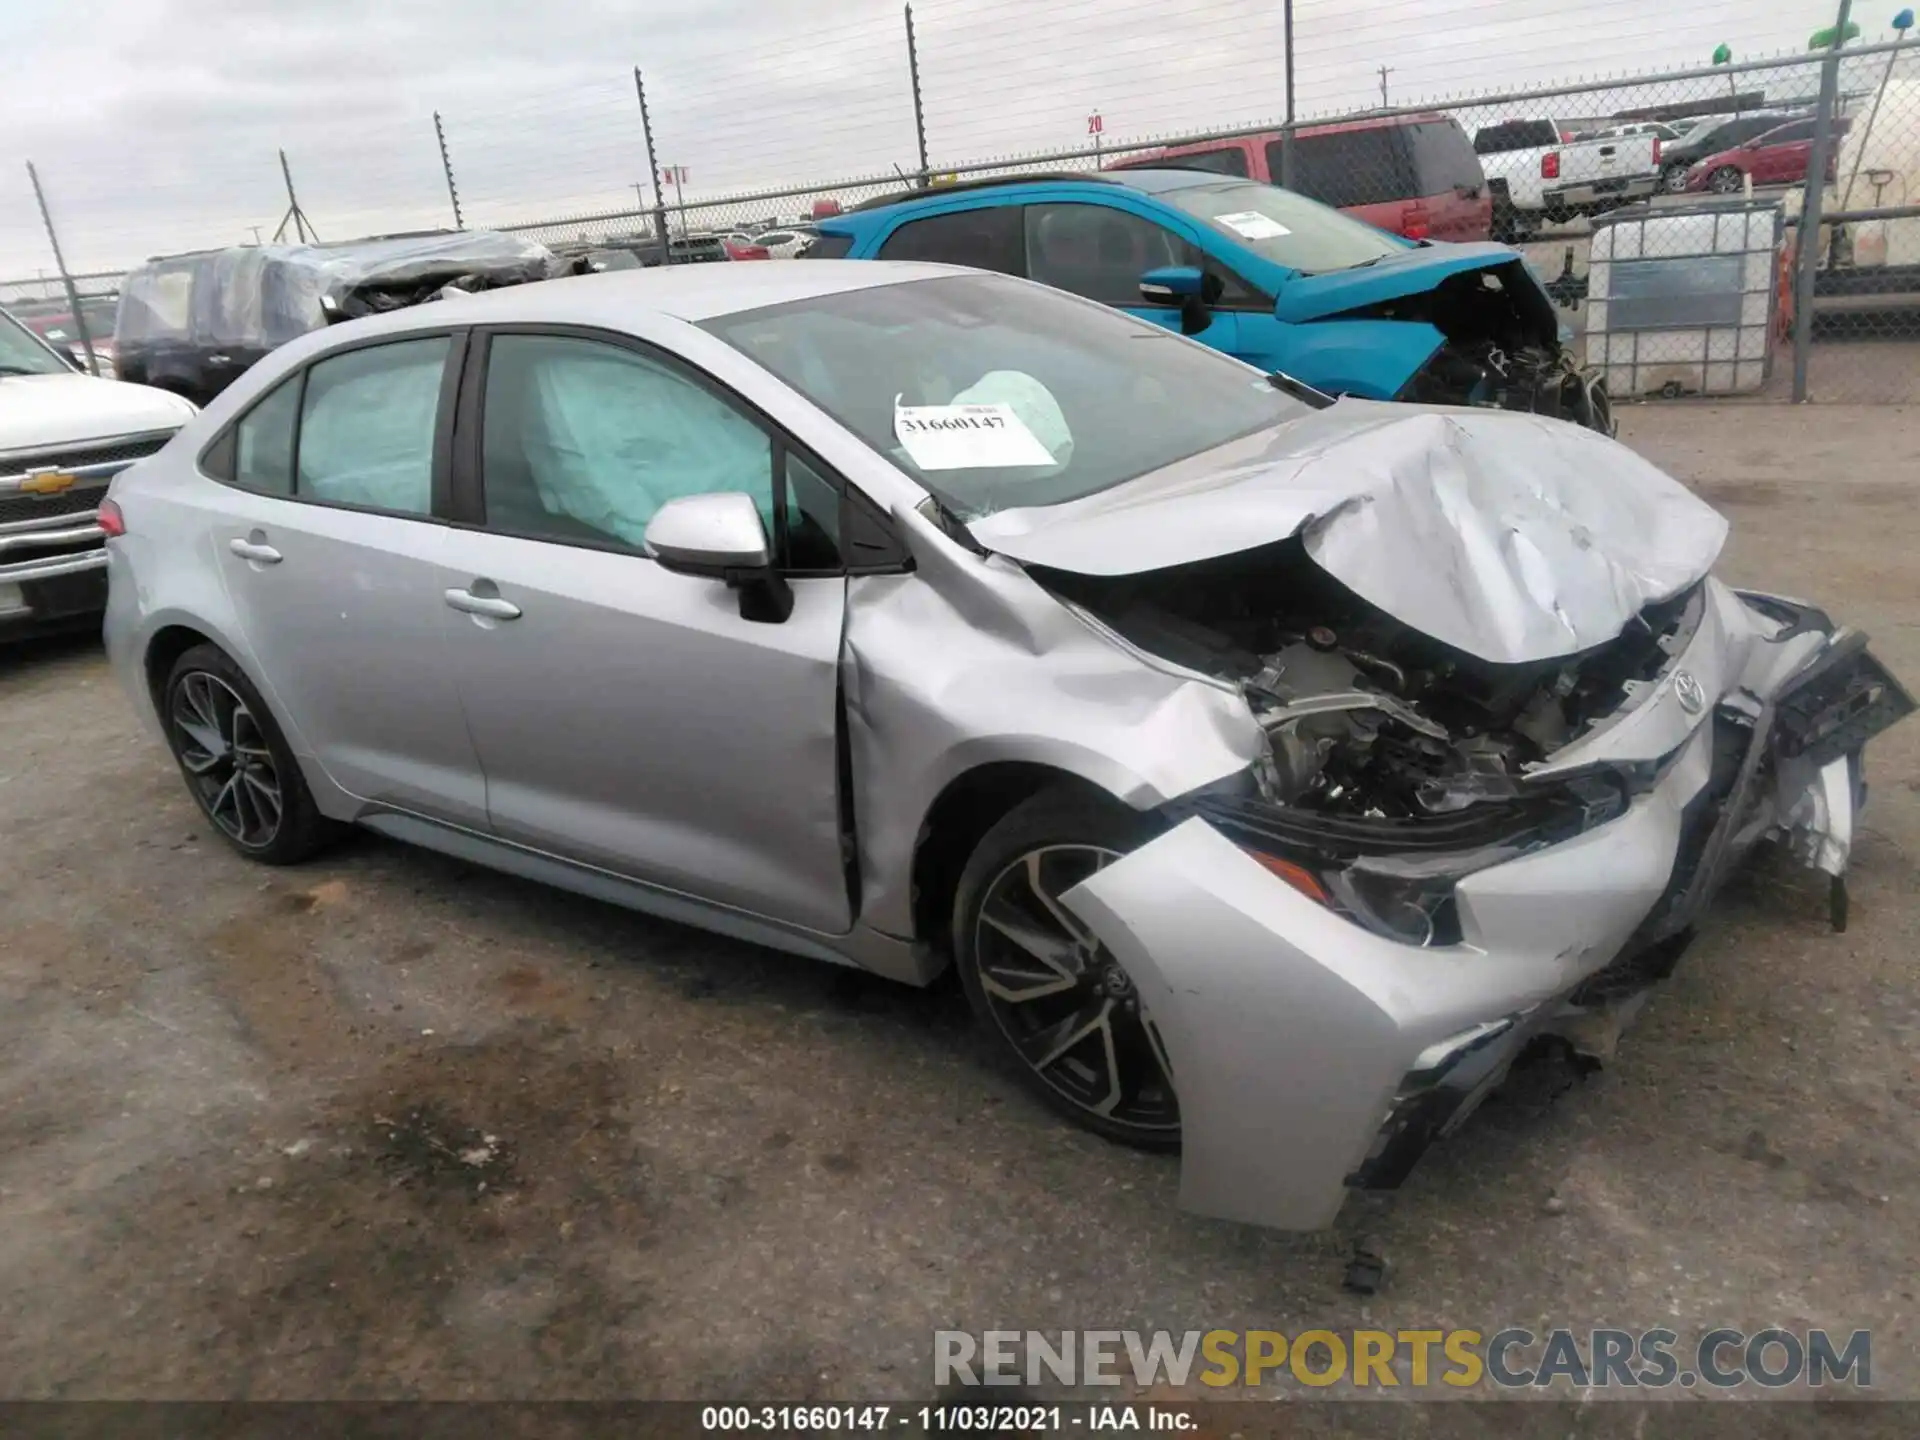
point(1656, 152)
point(1550, 165)
point(1414, 222)
point(110, 520)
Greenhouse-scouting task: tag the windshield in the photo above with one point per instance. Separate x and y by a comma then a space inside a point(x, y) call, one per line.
point(1283, 227)
point(996, 394)
point(22, 354)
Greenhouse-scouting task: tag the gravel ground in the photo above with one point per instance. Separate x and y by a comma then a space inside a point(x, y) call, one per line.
point(390, 1126)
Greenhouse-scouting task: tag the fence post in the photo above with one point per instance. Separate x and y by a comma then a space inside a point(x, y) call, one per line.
point(1286, 132)
point(653, 169)
point(446, 164)
point(1807, 234)
point(60, 263)
point(919, 112)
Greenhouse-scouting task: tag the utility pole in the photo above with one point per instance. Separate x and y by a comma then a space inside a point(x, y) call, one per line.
point(1385, 70)
point(919, 112)
point(653, 169)
point(60, 262)
point(639, 196)
point(302, 227)
point(1286, 134)
point(446, 164)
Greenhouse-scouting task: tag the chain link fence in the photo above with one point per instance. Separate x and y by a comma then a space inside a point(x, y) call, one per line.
point(1740, 230)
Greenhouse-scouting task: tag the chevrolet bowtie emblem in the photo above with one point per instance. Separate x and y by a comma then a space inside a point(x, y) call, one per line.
point(46, 482)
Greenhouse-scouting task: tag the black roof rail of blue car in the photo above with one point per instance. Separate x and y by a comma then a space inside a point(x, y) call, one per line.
point(880, 202)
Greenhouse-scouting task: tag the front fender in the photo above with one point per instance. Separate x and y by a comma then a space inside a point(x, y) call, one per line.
point(1373, 359)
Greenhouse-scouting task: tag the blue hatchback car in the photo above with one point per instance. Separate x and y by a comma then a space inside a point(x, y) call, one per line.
point(1268, 276)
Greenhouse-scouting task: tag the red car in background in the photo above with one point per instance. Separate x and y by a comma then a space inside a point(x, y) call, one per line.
point(1413, 175)
point(1779, 156)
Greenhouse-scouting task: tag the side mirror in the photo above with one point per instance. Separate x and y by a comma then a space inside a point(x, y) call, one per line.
point(721, 537)
point(1194, 290)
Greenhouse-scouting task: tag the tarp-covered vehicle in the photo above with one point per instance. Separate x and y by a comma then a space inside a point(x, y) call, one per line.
point(194, 323)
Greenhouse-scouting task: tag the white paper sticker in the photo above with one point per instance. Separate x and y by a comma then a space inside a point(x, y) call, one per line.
point(966, 437)
point(1252, 225)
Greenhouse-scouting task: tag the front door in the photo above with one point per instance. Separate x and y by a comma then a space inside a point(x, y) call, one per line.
point(327, 542)
point(627, 717)
point(1101, 251)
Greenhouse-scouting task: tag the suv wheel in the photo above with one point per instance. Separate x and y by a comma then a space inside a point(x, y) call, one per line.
point(1059, 1010)
point(236, 762)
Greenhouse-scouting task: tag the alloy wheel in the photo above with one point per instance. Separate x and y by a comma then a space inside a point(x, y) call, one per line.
point(1724, 181)
point(1063, 1001)
point(228, 762)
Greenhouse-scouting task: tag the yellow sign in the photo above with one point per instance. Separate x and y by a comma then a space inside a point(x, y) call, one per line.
point(47, 482)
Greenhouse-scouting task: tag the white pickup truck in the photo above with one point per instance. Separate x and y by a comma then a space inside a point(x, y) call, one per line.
point(1537, 178)
point(63, 436)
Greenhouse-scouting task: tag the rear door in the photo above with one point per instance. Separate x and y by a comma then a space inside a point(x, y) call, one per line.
point(329, 541)
point(1782, 155)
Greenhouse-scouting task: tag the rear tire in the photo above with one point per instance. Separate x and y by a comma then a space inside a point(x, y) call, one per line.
point(237, 765)
point(1673, 179)
point(1724, 181)
point(1061, 1014)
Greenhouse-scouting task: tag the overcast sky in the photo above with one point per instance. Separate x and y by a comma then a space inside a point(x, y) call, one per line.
point(155, 123)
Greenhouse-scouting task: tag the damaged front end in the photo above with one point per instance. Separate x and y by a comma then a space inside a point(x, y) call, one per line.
point(1475, 855)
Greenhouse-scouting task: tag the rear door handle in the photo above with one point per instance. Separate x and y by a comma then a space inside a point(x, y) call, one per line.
point(253, 550)
point(491, 606)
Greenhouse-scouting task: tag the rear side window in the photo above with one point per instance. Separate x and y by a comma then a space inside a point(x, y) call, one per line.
point(1515, 135)
point(1788, 134)
point(1441, 157)
point(826, 247)
point(1348, 167)
point(263, 442)
point(990, 238)
point(367, 426)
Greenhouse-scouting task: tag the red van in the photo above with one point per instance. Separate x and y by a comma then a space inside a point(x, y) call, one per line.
point(1415, 175)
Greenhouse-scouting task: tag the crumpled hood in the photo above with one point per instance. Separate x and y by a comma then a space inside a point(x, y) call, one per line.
point(1512, 537)
point(39, 412)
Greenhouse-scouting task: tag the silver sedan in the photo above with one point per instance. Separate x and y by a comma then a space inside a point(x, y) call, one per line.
point(1274, 770)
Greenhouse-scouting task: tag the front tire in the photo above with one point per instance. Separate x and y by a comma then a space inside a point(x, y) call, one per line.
point(237, 765)
point(1061, 1013)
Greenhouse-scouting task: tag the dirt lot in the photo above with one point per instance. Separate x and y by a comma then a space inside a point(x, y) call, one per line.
point(390, 1126)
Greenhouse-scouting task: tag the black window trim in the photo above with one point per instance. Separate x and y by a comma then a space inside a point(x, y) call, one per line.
point(466, 508)
point(453, 367)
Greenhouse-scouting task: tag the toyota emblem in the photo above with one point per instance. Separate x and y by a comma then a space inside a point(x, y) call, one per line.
point(1689, 691)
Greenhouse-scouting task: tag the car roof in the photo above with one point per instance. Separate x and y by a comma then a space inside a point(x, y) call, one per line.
point(1151, 181)
point(686, 292)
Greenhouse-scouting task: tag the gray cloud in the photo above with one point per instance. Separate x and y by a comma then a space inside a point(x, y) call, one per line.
point(155, 123)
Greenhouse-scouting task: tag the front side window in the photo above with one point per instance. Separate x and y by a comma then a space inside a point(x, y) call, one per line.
point(583, 441)
point(1078, 397)
point(989, 238)
point(367, 426)
point(1283, 227)
point(1098, 251)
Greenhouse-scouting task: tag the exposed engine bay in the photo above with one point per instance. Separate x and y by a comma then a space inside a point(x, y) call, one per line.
point(1365, 717)
point(1501, 351)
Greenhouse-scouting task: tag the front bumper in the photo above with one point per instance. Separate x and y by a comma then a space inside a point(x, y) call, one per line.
point(1313, 1055)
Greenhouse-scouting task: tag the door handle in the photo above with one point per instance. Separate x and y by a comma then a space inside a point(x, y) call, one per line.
point(253, 550)
point(491, 606)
